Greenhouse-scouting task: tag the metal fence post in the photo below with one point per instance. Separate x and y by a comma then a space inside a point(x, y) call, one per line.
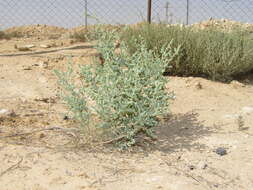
point(149, 11)
point(187, 11)
point(86, 13)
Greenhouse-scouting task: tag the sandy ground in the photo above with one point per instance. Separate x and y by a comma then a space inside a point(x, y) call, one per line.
point(206, 115)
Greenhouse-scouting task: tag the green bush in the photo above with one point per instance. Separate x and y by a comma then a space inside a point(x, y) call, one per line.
point(127, 92)
point(211, 53)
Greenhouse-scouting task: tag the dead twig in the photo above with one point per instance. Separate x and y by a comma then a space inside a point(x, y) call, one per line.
point(37, 131)
point(188, 175)
point(113, 140)
point(13, 167)
point(103, 178)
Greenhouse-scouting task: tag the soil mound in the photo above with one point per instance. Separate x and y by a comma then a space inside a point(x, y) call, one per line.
point(224, 24)
point(41, 31)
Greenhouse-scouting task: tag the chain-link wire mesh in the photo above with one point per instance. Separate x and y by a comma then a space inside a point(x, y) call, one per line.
point(193, 11)
point(71, 13)
point(65, 13)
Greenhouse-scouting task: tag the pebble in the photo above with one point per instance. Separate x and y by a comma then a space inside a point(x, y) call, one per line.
point(221, 151)
point(198, 85)
point(191, 167)
point(7, 113)
point(45, 100)
point(29, 46)
point(66, 117)
point(24, 49)
point(202, 165)
point(3, 111)
point(45, 46)
point(247, 109)
point(27, 68)
point(42, 64)
point(237, 84)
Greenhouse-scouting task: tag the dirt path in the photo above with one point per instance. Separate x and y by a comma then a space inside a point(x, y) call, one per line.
point(206, 115)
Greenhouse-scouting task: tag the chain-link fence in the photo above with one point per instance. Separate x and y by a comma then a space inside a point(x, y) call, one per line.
point(71, 13)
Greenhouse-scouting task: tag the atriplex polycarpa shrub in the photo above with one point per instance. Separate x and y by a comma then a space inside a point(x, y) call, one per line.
point(127, 93)
point(212, 53)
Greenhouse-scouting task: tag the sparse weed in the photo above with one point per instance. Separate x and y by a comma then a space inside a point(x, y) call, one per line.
point(240, 122)
point(87, 34)
point(79, 36)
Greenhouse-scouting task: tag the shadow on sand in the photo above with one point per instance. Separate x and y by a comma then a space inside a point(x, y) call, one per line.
point(181, 131)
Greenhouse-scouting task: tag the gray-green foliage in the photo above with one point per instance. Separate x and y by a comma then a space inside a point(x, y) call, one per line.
point(211, 53)
point(128, 91)
point(73, 96)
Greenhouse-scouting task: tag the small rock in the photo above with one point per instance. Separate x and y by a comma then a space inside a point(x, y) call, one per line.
point(24, 49)
point(198, 85)
point(246, 81)
point(42, 135)
point(216, 185)
point(29, 46)
point(247, 109)
point(27, 68)
point(202, 165)
point(66, 117)
point(237, 84)
point(36, 64)
point(68, 173)
point(71, 42)
point(45, 100)
point(7, 113)
point(3, 111)
point(221, 151)
point(42, 64)
point(45, 46)
point(191, 167)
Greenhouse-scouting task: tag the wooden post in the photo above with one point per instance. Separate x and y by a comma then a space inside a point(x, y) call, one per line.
point(149, 11)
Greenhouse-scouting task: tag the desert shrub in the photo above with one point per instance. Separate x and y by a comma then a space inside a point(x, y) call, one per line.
point(8, 36)
point(2, 35)
point(89, 33)
point(126, 94)
point(80, 36)
point(211, 53)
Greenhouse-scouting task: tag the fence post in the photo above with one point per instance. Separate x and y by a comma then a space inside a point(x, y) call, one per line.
point(149, 11)
point(86, 13)
point(187, 11)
